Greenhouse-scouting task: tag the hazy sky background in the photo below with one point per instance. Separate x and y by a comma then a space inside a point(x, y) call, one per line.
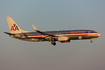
point(53, 15)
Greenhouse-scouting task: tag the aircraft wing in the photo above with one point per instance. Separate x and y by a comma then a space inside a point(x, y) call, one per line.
point(44, 34)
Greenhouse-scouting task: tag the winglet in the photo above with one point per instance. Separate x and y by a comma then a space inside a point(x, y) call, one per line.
point(45, 34)
point(34, 27)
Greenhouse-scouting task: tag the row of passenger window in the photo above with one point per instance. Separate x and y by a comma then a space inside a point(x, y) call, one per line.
point(60, 33)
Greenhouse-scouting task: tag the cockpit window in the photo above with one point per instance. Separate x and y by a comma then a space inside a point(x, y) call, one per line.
point(90, 31)
point(93, 32)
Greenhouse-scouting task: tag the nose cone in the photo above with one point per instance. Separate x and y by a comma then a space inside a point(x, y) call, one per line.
point(99, 35)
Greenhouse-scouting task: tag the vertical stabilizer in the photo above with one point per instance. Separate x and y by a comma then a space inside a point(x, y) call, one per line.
point(14, 28)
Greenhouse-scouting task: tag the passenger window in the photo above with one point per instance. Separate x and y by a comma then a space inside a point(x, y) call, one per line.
point(89, 31)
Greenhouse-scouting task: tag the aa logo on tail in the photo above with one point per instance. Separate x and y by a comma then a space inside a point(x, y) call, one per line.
point(14, 28)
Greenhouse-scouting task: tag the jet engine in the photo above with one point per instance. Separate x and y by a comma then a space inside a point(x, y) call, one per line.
point(63, 39)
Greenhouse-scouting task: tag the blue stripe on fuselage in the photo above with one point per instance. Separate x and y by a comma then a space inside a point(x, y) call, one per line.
point(57, 32)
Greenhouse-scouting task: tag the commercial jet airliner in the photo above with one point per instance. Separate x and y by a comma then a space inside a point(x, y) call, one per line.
point(52, 36)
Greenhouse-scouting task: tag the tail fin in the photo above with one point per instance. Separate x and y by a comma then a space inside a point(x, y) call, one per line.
point(14, 28)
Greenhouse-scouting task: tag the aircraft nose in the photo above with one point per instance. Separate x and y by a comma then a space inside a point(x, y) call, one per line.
point(99, 35)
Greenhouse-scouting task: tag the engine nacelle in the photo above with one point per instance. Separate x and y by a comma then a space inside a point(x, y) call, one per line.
point(62, 38)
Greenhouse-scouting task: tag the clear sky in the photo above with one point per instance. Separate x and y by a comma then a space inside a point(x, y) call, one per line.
point(53, 15)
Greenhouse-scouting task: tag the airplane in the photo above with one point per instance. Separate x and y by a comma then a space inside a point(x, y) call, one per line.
point(64, 36)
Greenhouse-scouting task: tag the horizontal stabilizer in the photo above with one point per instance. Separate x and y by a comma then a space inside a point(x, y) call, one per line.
point(9, 33)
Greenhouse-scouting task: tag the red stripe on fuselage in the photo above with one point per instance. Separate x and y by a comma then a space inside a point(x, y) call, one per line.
point(63, 35)
point(80, 35)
